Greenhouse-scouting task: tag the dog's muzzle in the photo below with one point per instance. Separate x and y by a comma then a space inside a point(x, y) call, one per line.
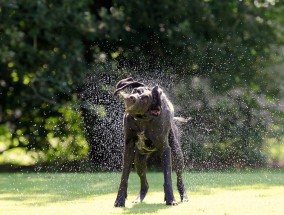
point(129, 101)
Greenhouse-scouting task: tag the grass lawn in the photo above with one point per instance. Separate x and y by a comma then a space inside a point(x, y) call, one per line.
point(256, 192)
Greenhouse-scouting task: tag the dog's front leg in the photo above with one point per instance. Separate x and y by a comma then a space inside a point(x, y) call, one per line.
point(167, 168)
point(127, 162)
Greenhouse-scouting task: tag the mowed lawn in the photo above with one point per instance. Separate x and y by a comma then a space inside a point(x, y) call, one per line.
point(244, 192)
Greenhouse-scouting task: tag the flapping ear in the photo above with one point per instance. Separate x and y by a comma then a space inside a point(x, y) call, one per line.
point(156, 106)
point(127, 82)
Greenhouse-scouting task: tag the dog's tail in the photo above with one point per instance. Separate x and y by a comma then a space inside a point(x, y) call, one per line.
point(182, 119)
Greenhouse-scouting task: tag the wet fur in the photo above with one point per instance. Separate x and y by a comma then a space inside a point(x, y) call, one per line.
point(152, 130)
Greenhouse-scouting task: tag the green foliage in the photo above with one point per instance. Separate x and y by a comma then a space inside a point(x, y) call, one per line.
point(42, 58)
point(227, 41)
point(274, 150)
point(225, 131)
point(48, 47)
point(54, 139)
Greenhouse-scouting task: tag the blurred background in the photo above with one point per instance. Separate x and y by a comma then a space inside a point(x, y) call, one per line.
point(220, 62)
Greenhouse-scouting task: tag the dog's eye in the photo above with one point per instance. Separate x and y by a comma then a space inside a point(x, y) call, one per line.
point(145, 99)
point(139, 91)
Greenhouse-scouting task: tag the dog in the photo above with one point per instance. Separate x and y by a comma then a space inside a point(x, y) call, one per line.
point(149, 126)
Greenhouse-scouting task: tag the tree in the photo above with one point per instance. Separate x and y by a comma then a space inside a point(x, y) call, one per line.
point(48, 47)
point(42, 59)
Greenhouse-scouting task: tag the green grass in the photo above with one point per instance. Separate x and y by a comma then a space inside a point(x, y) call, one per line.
point(256, 192)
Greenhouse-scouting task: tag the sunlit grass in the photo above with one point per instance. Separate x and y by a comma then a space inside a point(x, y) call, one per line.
point(257, 192)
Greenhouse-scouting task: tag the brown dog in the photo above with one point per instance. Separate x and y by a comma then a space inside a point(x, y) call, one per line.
point(149, 126)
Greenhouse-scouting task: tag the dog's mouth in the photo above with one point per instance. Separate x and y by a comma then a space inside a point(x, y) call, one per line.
point(155, 112)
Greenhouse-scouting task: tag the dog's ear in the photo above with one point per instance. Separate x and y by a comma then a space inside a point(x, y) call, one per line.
point(156, 106)
point(127, 82)
point(123, 82)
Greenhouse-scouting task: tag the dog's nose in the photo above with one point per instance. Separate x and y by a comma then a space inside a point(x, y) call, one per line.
point(132, 99)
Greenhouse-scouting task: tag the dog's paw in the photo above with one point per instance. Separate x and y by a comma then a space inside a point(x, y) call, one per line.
point(120, 199)
point(137, 200)
point(185, 199)
point(172, 203)
point(119, 204)
point(141, 195)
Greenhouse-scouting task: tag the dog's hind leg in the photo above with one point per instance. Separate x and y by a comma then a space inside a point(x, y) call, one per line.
point(140, 162)
point(167, 169)
point(178, 166)
point(178, 161)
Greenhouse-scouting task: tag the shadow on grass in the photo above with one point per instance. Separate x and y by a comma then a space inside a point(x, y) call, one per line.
point(144, 208)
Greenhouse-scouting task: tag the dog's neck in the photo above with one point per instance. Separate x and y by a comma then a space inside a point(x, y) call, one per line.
point(142, 117)
point(148, 116)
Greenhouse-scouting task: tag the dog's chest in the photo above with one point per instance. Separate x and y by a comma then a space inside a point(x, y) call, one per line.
point(144, 145)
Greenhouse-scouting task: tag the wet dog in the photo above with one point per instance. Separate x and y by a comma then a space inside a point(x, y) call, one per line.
point(149, 126)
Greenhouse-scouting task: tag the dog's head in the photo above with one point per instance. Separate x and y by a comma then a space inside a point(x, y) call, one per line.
point(142, 101)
